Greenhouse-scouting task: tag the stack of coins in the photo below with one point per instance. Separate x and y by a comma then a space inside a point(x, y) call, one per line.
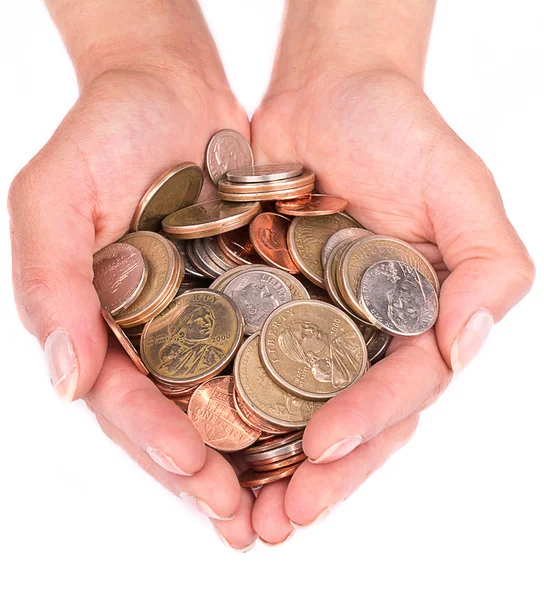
point(251, 306)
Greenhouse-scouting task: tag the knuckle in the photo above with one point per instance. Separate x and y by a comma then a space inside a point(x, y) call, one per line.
point(20, 189)
point(34, 291)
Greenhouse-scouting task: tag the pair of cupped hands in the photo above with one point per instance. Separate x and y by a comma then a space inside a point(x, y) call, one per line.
point(372, 138)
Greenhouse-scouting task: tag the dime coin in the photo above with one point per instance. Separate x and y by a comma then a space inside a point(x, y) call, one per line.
point(193, 339)
point(400, 299)
point(212, 411)
point(350, 233)
point(377, 345)
point(203, 257)
point(189, 268)
point(312, 349)
point(258, 173)
point(237, 245)
point(257, 294)
point(173, 190)
point(264, 397)
point(209, 218)
point(363, 253)
point(306, 238)
point(119, 276)
point(295, 192)
point(305, 178)
point(268, 232)
point(228, 149)
point(125, 342)
point(214, 251)
point(165, 273)
point(318, 206)
point(195, 259)
point(251, 478)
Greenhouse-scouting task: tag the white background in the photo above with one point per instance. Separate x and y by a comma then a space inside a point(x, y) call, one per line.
point(456, 514)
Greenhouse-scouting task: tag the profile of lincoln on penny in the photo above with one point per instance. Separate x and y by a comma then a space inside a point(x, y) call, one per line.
point(187, 350)
point(336, 361)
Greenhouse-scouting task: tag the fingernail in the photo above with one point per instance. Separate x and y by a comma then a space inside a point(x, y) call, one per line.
point(278, 543)
point(338, 450)
point(62, 364)
point(165, 461)
point(320, 517)
point(228, 545)
point(470, 339)
point(209, 512)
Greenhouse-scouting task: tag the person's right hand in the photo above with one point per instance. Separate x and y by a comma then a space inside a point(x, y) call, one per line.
point(75, 197)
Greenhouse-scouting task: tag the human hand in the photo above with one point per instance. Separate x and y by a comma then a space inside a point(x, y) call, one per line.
point(137, 116)
point(373, 137)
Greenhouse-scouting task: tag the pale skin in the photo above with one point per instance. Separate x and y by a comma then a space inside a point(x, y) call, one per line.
point(346, 100)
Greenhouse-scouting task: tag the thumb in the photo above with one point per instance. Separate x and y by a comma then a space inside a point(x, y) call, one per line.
point(490, 268)
point(52, 245)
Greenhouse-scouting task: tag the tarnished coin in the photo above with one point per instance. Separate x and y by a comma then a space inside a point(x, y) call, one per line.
point(214, 251)
point(212, 411)
point(290, 193)
point(251, 478)
point(270, 172)
point(173, 190)
point(264, 397)
point(307, 177)
point(306, 238)
point(283, 451)
point(237, 245)
point(400, 299)
point(257, 294)
point(318, 206)
point(194, 255)
point(189, 268)
point(363, 253)
point(377, 345)
point(228, 149)
point(251, 418)
point(125, 342)
point(193, 339)
point(119, 276)
point(279, 463)
point(342, 235)
point(268, 234)
point(165, 273)
point(312, 349)
point(209, 218)
point(276, 442)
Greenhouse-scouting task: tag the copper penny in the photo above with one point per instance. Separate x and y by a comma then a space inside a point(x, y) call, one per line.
point(268, 232)
point(125, 342)
point(317, 207)
point(275, 443)
point(120, 274)
point(237, 245)
point(251, 478)
point(280, 464)
point(305, 178)
point(212, 411)
point(290, 193)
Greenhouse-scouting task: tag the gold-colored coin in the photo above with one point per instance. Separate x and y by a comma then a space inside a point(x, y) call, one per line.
point(306, 178)
point(173, 190)
point(264, 397)
point(165, 273)
point(193, 339)
point(312, 349)
point(209, 218)
point(306, 238)
point(287, 194)
point(363, 253)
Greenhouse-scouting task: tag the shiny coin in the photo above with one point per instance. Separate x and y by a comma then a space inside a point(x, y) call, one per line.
point(194, 253)
point(377, 346)
point(125, 342)
point(251, 478)
point(215, 252)
point(119, 276)
point(400, 299)
point(278, 441)
point(259, 173)
point(165, 273)
point(268, 233)
point(295, 192)
point(250, 417)
point(363, 253)
point(228, 149)
point(263, 396)
point(209, 218)
point(189, 268)
point(280, 463)
point(193, 339)
point(265, 456)
point(342, 235)
point(305, 178)
point(306, 238)
point(175, 189)
point(237, 245)
point(257, 294)
point(312, 349)
point(318, 206)
point(200, 250)
point(212, 411)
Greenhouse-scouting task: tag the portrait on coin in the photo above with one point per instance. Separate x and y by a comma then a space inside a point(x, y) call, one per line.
point(187, 350)
point(336, 361)
point(256, 300)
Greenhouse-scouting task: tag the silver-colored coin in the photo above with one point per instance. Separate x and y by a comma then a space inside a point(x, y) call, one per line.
point(377, 346)
point(261, 173)
point(214, 252)
point(198, 263)
point(190, 269)
point(275, 452)
point(400, 299)
point(257, 293)
point(204, 257)
point(228, 149)
point(350, 233)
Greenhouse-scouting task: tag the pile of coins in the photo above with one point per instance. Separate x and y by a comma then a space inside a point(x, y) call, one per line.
point(252, 305)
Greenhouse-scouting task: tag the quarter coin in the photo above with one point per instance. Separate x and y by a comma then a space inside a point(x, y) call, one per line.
point(228, 149)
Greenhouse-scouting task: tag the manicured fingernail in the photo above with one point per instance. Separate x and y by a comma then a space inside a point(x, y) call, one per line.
point(62, 364)
point(320, 517)
point(278, 543)
point(209, 512)
point(338, 450)
point(165, 461)
point(470, 339)
point(228, 544)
